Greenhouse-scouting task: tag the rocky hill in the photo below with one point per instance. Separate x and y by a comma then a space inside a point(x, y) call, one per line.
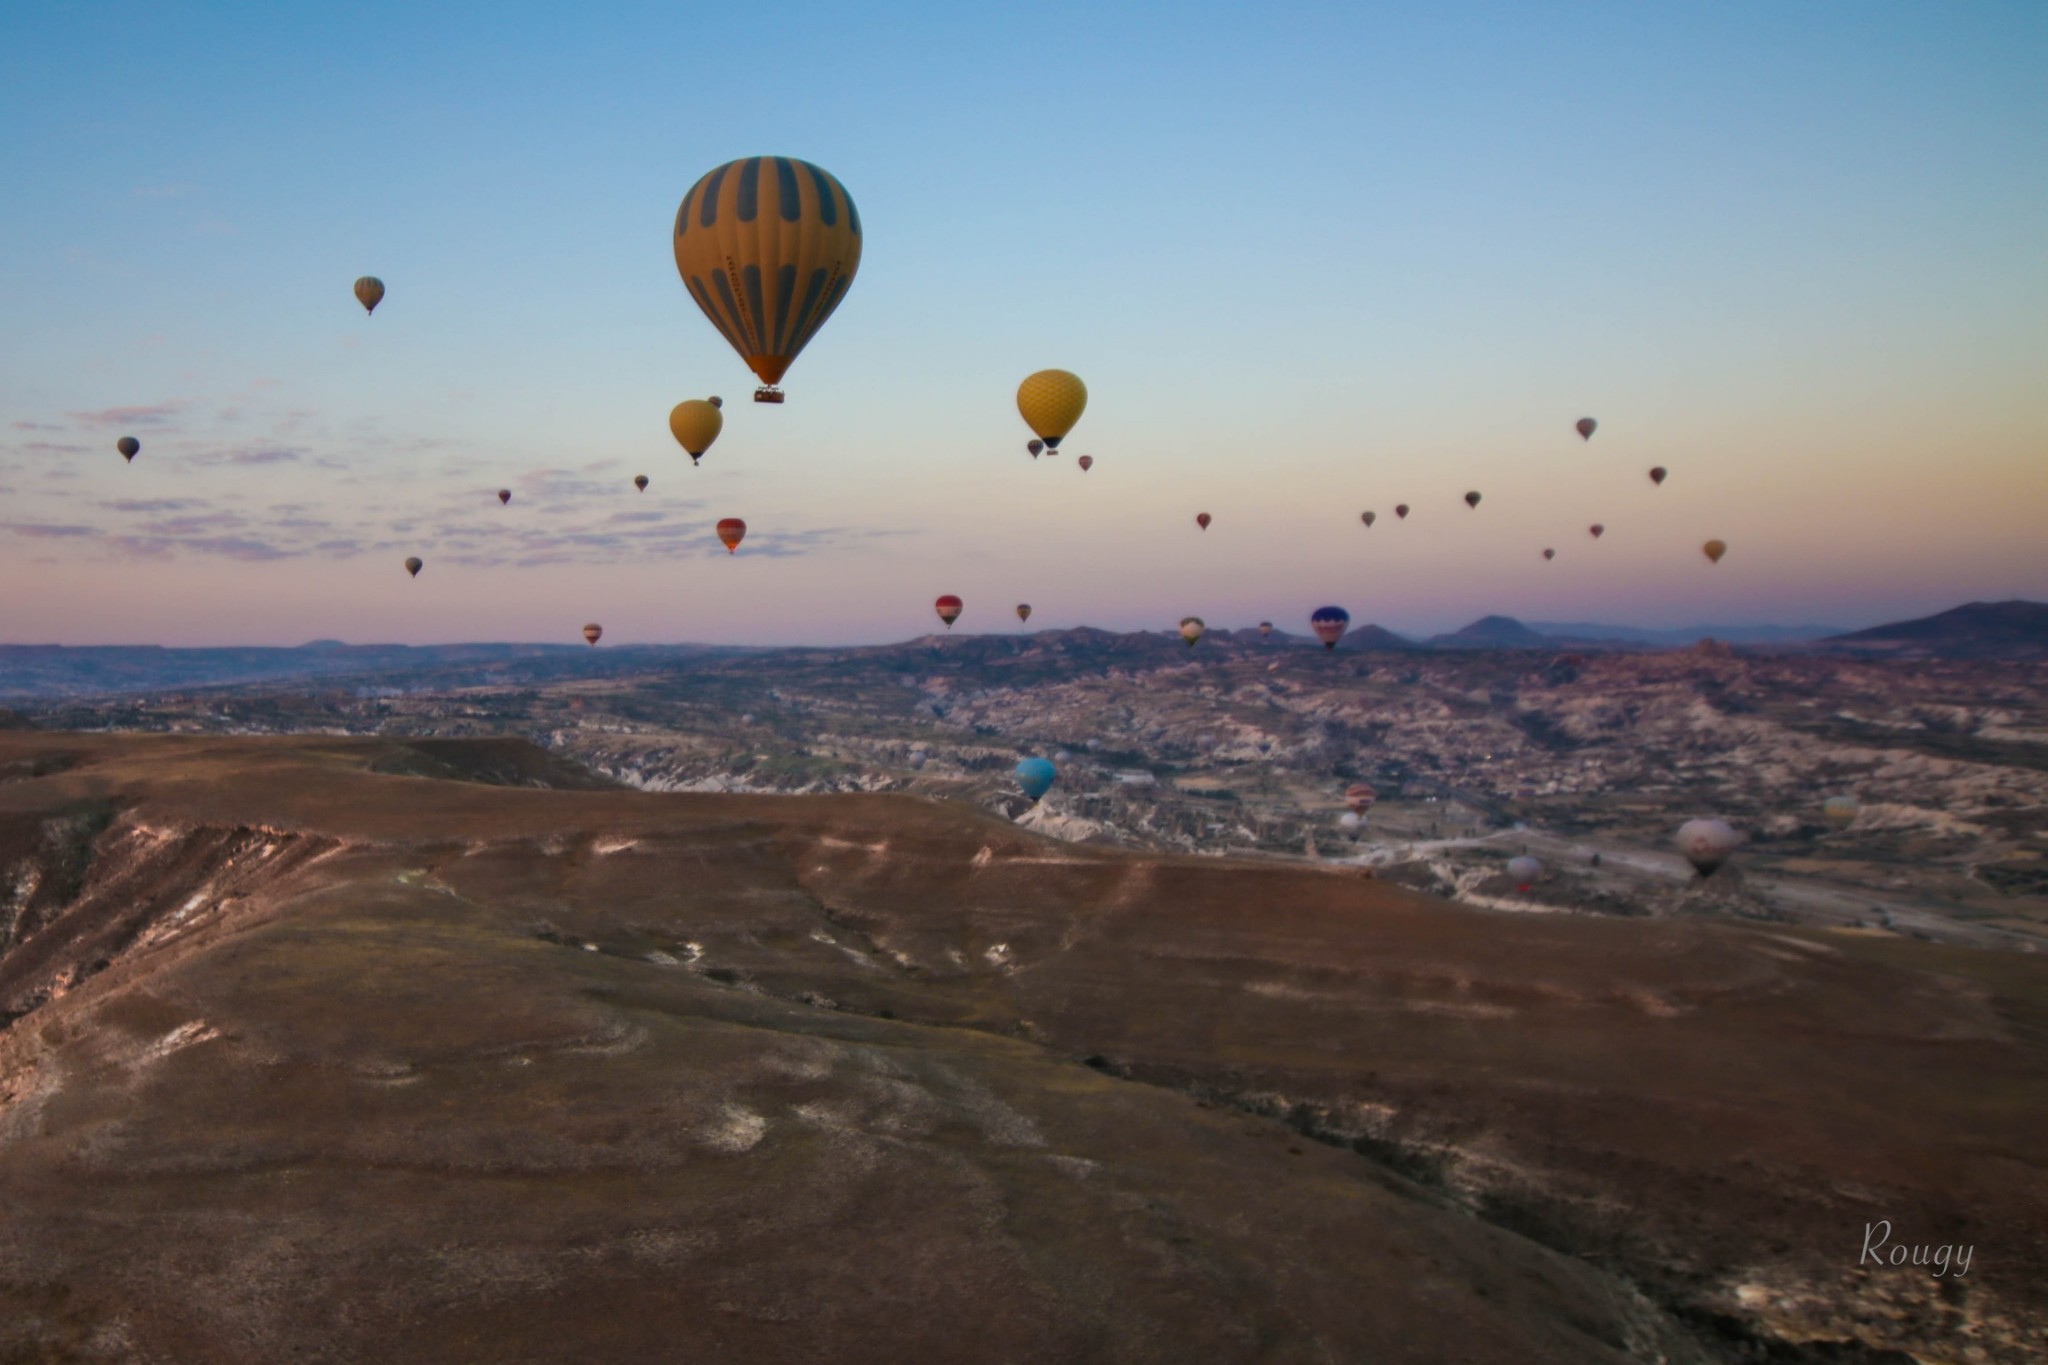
point(1979, 630)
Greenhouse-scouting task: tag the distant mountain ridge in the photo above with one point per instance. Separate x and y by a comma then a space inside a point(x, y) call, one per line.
point(1681, 637)
point(2015, 629)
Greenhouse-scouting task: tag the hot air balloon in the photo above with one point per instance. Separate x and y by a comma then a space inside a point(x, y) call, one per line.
point(1586, 427)
point(1597, 529)
point(592, 633)
point(1035, 446)
point(1472, 499)
point(413, 566)
point(1706, 844)
point(1714, 549)
point(1023, 611)
point(948, 608)
point(1329, 624)
point(1202, 520)
point(369, 292)
point(1035, 776)
point(1360, 797)
point(1841, 811)
point(695, 424)
point(1351, 822)
point(1550, 554)
point(1051, 402)
point(767, 246)
point(1265, 628)
point(1401, 510)
point(731, 531)
point(1525, 870)
point(1087, 462)
point(1191, 629)
point(715, 401)
point(504, 496)
point(640, 482)
point(1657, 475)
point(129, 448)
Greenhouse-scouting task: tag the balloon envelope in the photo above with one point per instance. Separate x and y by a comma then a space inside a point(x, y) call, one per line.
point(1035, 776)
point(1706, 844)
point(369, 292)
point(1023, 611)
point(1360, 797)
point(640, 482)
point(1550, 554)
point(1265, 627)
point(1586, 427)
point(1657, 474)
point(1368, 517)
point(767, 246)
point(413, 566)
point(1524, 870)
point(592, 633)
point(1050, 402)
point(1714, 549)
point(948, 608)
point(1202, 520)
point(1472, 499)
point(1351, 822)
point(1329, 624)
point(1401, 510)
point(1191, 628)
point(1087, 462)
point(695, 424)
point(731, 531)
point(1035, 446)
point(504, 496)
point(1841, 811)
point(1597, 529)
point(129, 447)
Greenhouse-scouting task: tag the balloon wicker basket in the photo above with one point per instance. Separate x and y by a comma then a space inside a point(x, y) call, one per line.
point(767, 393)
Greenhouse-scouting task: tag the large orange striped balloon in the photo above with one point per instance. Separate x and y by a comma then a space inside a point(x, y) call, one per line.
point(732, 531)
point(767, 246)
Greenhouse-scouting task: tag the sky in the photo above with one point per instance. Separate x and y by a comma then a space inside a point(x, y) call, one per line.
point(1310, 260)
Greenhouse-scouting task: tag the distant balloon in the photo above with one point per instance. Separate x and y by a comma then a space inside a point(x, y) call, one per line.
point(592, 633)
point(1360, 797)
point(1192, 629)
point(1023, 611)
point(1472, 499)
point(948, 608)
point(1841, 811)
point(1525, 870)
point(1265, 627)
point(767, 246)
point(1401, 510)
point(1586, 427)
point(731, 531)
point(1597, 529)
point(715, 401)
point(504, 496)
point(1035, 446)
point(1329, 624)
point(1657, 475)
point(369, 292)
point(1706, 844)
point(640, 482)
point(1050, 402)
point(1202, 520)
point(695, 424)
point(129, 448)
point(1035, 776)
point(1087, 462)
point(1550, 554)
point(1368, 517)
point(1351, 822)
point(413, 566)
point(1714, 549)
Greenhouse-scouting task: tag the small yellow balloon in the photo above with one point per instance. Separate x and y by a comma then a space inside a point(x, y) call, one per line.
point(1051, 402)
point(695, 425)
point(1714, 549)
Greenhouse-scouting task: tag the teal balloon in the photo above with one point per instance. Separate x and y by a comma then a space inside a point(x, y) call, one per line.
point(1035, 776)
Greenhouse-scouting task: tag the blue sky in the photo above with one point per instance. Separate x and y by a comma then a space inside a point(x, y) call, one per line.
point(1310, 260)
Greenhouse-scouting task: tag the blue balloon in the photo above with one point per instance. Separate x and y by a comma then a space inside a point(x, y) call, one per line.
point(1329, 624)
point(1035, 776)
